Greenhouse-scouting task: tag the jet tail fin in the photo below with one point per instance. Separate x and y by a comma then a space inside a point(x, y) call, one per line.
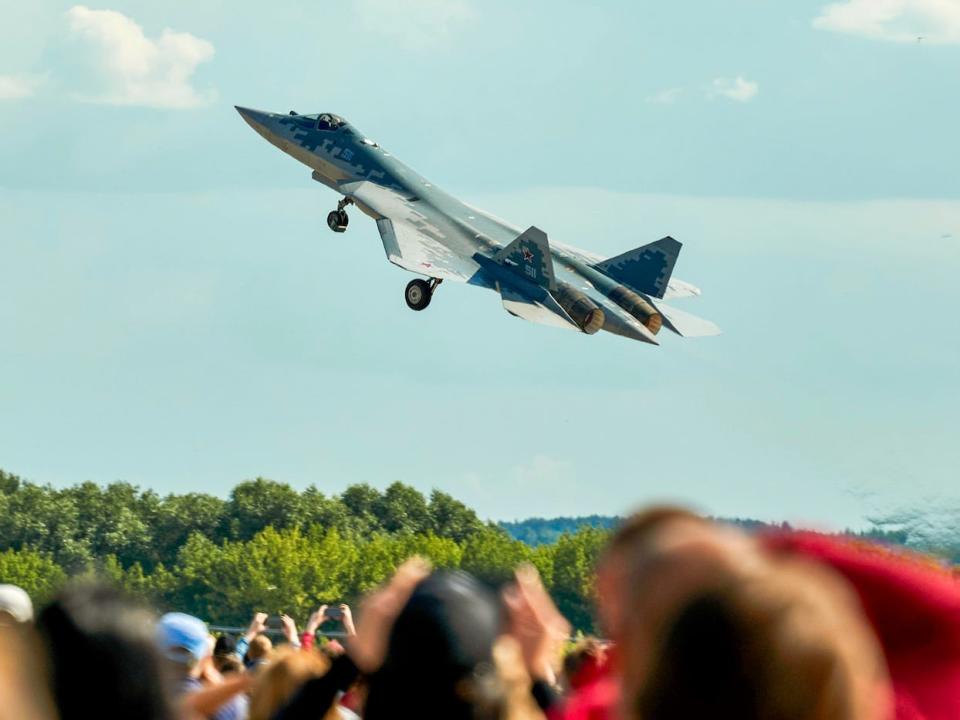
point(529, 255)
point(646, 269)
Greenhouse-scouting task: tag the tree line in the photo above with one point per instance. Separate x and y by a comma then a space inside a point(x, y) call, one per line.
point(266, 546)
point(270, 547)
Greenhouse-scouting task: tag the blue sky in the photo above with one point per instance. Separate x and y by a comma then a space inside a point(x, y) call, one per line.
point(175, 313)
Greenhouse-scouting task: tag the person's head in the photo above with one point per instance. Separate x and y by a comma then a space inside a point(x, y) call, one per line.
point(636, 539)
point(228, 664)
point(15, 605)
point(225, 645)
point(225, 657)
point(258, 651)
point(185, 641)
point(102, 656)
point(784, 641)
point(277, 682)
point(445, 636)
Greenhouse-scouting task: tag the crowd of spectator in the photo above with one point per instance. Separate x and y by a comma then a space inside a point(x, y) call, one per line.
point(700, 620)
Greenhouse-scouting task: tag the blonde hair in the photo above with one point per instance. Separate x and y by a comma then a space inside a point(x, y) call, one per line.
point(260, 648)
point(788, 642)
point(277, 682)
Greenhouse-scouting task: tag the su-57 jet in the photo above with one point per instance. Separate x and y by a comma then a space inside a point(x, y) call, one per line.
point(433, 234)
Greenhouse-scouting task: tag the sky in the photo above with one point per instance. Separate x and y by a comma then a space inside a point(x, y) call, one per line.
point(175, 313)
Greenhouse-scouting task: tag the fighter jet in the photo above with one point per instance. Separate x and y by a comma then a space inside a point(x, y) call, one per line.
point(435, 235)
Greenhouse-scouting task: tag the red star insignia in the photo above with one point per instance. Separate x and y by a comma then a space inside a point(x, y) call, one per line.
point(527, 255)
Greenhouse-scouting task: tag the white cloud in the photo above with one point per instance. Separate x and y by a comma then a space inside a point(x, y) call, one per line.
point(15, 87)
point(665, 97)
point(416, 24)
point(137, 70)
point(739, 89)
point(935, 21)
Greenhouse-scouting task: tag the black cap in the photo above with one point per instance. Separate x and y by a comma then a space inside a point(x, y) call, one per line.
point(444, 634)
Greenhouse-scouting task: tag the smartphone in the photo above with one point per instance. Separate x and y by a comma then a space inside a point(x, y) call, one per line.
point(274, 622)
point(333, 613)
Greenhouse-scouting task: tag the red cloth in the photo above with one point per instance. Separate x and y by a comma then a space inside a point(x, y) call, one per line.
point(592, 668)
point(914, 607)
point(595, 692)
point(597, 700)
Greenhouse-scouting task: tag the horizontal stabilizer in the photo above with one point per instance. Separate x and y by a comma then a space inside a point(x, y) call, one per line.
point(518, 304)
point(677, 288)
point(646, 269)
point(685, 324)
point(530, 256)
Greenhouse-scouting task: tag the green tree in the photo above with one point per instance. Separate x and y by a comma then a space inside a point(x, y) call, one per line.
point(492, 555)
point(38, 517)
point(318, 509)
point(179, 516)
point(452, 519)
point(362, 502)
point(402, 509)
point(114, 520)
point(9, 483)
point(36, 572)
point(258, 504)
point(574, 562)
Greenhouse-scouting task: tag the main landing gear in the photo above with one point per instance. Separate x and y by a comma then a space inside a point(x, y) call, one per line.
point(338, 220)
point(419, 292)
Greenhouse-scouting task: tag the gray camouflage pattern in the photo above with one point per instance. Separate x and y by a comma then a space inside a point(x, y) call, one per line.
point(429, 232)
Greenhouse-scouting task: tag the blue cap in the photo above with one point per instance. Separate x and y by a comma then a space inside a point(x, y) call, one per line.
point(183, 638)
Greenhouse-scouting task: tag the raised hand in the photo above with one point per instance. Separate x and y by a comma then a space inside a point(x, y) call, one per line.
point(289, 629)
point(347, 620)
point(535, 623)
point(315, 619)
point(379, 611)
point(257, 626)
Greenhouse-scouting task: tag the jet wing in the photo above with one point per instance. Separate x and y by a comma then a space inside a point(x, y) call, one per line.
point(516, 303)
point(412, 233)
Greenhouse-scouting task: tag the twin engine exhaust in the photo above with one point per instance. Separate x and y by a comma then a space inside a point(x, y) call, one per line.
point(589, 316)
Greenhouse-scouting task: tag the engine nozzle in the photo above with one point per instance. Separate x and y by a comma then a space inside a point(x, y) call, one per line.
point(582, 310)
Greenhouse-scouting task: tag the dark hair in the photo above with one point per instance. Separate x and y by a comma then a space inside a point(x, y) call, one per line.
point(102, 656)
point(703, 653)
point(444, 636)
point(225, 645)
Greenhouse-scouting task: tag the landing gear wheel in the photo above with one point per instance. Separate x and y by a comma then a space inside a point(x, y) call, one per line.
point(418, 294)
point(337, 220)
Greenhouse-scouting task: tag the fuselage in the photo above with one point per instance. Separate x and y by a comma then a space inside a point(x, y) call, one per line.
point(444, 238)
point(338, 153)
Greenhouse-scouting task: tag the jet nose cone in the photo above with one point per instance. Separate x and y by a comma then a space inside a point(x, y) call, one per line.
point(255, 118)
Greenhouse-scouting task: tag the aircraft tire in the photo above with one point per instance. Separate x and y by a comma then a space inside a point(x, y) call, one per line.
point(336, 220)
point(418, 294)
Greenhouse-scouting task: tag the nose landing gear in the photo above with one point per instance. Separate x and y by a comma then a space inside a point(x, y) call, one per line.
point(338, 220)
point(419, 293)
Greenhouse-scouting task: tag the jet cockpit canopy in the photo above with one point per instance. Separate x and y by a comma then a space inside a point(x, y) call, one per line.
point(329, 121)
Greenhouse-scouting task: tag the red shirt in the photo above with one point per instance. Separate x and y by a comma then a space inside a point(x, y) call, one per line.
point(914, 607)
